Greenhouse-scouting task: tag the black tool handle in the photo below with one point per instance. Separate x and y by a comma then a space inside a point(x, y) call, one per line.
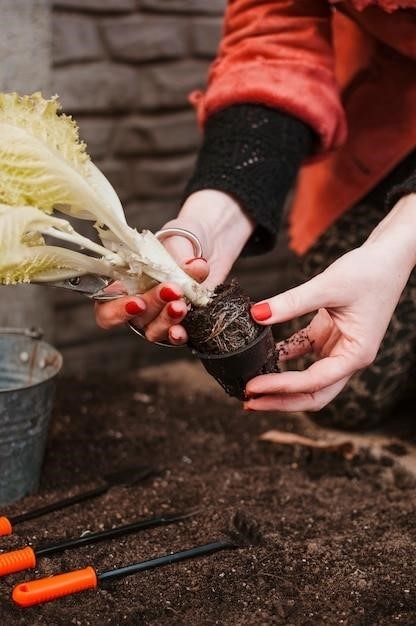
point(102, 535)
point(125, 476)
point(60, 504)
point(167, 559)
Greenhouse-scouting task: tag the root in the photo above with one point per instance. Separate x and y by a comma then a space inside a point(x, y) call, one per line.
point(225, 324)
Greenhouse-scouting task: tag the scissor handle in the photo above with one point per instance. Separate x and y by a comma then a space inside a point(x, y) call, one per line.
point(163, 233)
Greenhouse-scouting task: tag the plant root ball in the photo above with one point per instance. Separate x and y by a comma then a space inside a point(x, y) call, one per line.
point(224, 324)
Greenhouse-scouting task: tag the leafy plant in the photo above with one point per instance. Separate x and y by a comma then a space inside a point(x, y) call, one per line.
point(44, 167)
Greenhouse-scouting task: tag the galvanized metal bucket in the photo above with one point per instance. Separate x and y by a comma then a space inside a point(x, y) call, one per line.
point(28, 367)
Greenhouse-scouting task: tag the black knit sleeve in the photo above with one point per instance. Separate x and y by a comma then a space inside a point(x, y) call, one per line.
point(402, 189)
point(253, 153)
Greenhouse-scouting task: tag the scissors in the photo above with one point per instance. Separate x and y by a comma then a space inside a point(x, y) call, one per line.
point(89, 285)
point(95, 287)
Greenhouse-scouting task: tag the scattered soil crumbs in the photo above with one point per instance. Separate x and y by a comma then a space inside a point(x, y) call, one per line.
point(339, 536)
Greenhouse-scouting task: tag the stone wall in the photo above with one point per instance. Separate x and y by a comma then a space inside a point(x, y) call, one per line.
point(25, 60)
point(124, 69)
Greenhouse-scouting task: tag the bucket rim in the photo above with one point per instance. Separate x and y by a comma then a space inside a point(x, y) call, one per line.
point(34, 385)
point(36, 337)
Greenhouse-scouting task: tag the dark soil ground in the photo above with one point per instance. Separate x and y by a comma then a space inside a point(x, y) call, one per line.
point(339, 536)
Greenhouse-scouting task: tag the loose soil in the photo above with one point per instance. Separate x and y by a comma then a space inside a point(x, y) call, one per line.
point(338, 535)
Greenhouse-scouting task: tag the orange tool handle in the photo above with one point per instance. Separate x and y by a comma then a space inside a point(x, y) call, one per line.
point(17, 560)
point(6, 527)
point(47, 589)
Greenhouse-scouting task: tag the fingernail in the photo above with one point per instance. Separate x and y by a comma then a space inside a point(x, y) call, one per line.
point(261, 311)
point(167, 294)
point(195, 258)
point(175, 336)
point(173, 312)
point(133, 308)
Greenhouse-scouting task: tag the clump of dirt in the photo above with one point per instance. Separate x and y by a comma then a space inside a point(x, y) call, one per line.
point(225, 329)
point(338, 536)
point(224, 324)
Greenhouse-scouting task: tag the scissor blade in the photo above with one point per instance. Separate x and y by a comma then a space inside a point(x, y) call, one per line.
point(90, 285)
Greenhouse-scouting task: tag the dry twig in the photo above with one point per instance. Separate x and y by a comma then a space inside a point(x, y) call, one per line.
point(344, 447)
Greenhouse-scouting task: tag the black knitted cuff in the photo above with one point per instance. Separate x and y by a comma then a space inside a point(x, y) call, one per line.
point(403, 189)
point(253, 153)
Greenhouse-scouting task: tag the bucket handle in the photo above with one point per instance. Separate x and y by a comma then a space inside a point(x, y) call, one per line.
point(33, 333)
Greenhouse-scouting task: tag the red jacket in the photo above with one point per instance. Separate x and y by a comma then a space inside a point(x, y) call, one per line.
point(344, 67)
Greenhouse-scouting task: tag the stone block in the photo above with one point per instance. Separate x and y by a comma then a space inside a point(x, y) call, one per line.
point(184, 6)
point(97, 133)
point(167, 85)
point(25, 46)
point(75, 38)
point(205, 35)
point(161, 134)
point(162, 177)
point(145, 38)
point(107, 6)
point(97, 87)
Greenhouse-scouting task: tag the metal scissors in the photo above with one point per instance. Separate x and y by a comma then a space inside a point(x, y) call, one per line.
point(94, 286)
point(90, 285)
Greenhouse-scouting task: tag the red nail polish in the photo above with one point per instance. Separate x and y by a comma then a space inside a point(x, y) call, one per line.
point(172, 312)
point(261, 311)
point(133, 308)
point(167, 294)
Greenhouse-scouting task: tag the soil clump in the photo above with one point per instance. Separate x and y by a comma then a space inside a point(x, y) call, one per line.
point(224, 324)
point(224, 327)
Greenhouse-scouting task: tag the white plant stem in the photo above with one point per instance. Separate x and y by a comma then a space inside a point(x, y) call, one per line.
point(84, 242)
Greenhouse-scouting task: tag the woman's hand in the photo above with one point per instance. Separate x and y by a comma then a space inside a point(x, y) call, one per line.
point(355, 299)
point(223, 229)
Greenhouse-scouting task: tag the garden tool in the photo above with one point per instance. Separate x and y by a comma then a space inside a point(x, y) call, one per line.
point(26, 558)
point(129, 476)
point(46, 589)
point(89, 285)
point(95, 287)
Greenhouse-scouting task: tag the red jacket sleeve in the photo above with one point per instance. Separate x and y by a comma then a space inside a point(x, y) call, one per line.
point(278, 53)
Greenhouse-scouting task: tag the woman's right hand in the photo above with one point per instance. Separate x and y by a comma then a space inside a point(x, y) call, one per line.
point(223, 229)
point(355, 298)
